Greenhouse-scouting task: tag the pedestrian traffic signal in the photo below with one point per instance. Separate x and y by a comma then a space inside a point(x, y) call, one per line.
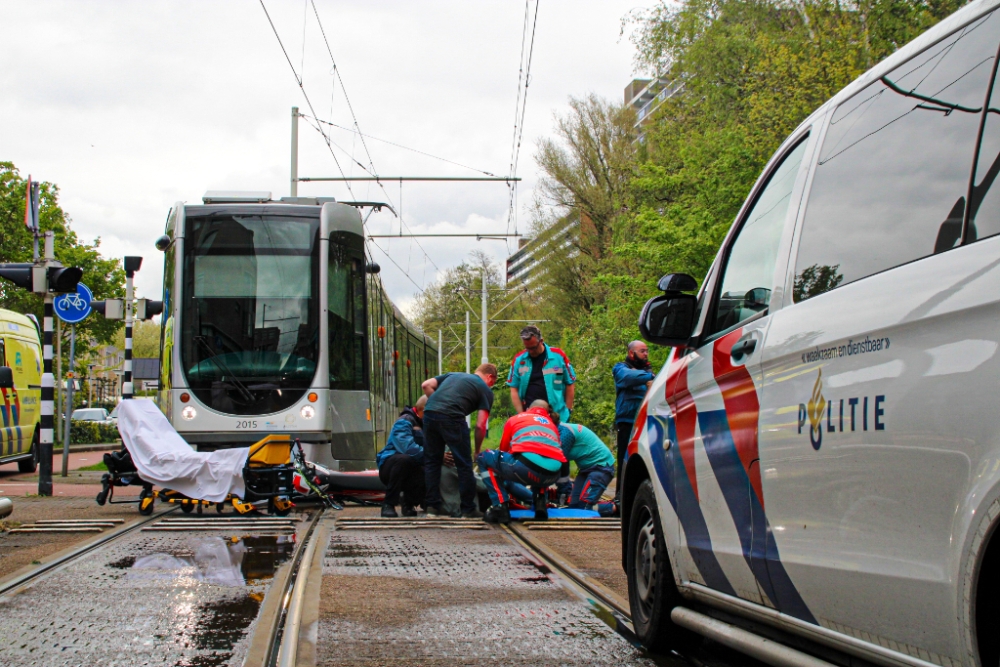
point(56, 278)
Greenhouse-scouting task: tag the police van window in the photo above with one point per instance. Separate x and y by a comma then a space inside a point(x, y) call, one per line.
point(893, 173)
point(984, 208)
point(746, 283)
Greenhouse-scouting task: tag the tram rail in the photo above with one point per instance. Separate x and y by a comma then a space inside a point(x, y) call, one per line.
point(77, 553)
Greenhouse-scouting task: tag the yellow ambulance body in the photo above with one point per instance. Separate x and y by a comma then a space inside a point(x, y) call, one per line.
point(20, 407)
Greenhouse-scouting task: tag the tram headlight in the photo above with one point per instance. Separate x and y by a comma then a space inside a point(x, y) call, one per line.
point(189, 412)
point(307, 412)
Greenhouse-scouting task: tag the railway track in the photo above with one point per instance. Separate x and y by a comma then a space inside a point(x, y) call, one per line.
point(75, 554)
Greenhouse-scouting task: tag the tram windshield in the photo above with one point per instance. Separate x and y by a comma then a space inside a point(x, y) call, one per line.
point(250, 316)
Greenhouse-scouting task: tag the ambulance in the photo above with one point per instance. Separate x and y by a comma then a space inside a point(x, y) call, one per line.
point(816, 469)
point(21, 351)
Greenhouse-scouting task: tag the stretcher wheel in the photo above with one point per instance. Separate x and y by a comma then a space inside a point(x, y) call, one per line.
point(279, 506)
point(146, 499)
point(187, 508)
point(220, 507)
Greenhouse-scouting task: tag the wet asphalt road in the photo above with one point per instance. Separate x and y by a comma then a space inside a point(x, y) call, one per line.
point(149, 598)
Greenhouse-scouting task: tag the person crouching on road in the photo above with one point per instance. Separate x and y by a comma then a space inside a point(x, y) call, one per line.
point(453, 397)
point(530, 454)
point(401, 462)
point(596, 465)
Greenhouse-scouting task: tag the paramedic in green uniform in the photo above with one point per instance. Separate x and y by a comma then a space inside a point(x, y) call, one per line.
point(541, 373)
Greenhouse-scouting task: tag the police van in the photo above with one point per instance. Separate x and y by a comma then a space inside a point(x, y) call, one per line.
point(20, 409)
point(819, 459)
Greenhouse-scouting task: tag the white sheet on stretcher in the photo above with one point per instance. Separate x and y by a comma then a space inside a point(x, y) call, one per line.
point(163, 457)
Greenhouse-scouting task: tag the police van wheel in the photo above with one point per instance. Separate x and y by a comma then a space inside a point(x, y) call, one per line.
point(29, 465)
point(651, 589)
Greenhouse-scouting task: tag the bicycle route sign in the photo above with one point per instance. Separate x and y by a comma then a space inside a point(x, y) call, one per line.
point(75, 306)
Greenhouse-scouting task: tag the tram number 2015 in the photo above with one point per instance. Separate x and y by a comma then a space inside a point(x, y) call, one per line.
point(246, 423)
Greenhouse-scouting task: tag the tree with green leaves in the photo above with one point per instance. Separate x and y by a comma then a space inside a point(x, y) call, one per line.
point(105, 277)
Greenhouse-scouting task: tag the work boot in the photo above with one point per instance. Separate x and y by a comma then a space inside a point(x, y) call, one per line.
point(407, 510)
point(388, 511)
point(472, 514)
point(497, 514)
point(541, 506)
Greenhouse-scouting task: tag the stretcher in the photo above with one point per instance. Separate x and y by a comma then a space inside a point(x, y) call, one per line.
point(243, 478)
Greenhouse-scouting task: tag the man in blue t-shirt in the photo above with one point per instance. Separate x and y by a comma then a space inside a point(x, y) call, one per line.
point(453, 397)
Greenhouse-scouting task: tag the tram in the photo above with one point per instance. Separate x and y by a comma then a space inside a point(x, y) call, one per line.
point(275, 321)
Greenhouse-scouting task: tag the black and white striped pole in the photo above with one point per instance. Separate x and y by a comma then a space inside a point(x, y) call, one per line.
point(46, 425)
point(132, 265)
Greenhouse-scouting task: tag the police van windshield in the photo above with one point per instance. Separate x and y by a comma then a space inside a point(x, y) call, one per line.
point(250, 314)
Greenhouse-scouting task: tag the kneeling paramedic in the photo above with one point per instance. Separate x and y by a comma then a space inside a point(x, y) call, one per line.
point(529, 454)
point(596, 465)
point(401, 462)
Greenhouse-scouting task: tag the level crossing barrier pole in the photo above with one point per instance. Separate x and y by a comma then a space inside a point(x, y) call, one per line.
point(132, 265)
point(45, 435)
point(482, 321)
point(69, 401)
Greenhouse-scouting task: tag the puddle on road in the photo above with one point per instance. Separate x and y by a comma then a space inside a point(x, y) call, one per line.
point(227, 561)
point(208, 631)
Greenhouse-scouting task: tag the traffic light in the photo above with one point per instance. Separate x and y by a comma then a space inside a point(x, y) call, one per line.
point(113, 309)
point(19, 274)
point(63, 279)
point(38, 278)
point(145, 309)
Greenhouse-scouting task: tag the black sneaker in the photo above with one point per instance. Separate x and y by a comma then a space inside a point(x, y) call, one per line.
point(388, 511)
point(407, 510)
point(436, 510)
point(474, 514)
point(497, 514)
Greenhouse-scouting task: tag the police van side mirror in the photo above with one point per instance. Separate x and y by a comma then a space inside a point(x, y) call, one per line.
point(6, 378)
point(668, 319)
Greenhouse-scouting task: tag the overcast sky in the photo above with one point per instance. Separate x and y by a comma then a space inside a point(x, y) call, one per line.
point(132, 106)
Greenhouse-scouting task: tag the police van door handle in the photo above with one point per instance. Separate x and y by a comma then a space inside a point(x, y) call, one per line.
point(743, 348)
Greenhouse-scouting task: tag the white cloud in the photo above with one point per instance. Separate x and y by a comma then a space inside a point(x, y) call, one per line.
point(130, 107)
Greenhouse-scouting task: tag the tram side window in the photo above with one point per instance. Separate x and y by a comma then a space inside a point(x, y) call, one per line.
point(345, 304)
point(416, 368)
point(399, 363)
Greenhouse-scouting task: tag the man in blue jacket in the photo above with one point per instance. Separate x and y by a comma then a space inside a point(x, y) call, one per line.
point(401, 462)
point(633, 378)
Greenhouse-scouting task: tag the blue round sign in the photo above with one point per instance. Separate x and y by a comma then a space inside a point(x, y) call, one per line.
point(74, 306)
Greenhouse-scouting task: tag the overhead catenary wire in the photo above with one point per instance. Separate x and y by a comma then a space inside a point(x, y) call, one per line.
point(298, 80)
point(407, 148)
point(520, 106)
point(364, 144)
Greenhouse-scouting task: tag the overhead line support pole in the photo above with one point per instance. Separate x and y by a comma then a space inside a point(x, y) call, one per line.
point(295, 152)
point(482, 321)
point(440, 353)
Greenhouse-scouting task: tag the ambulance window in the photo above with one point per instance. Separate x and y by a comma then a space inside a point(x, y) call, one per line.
point(892, 176)
point(745, 288)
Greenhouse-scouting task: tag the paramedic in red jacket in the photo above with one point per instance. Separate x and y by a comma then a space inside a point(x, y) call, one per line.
point(530, 453)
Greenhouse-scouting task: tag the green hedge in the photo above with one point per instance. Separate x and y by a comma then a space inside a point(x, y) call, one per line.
point(92, 433)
